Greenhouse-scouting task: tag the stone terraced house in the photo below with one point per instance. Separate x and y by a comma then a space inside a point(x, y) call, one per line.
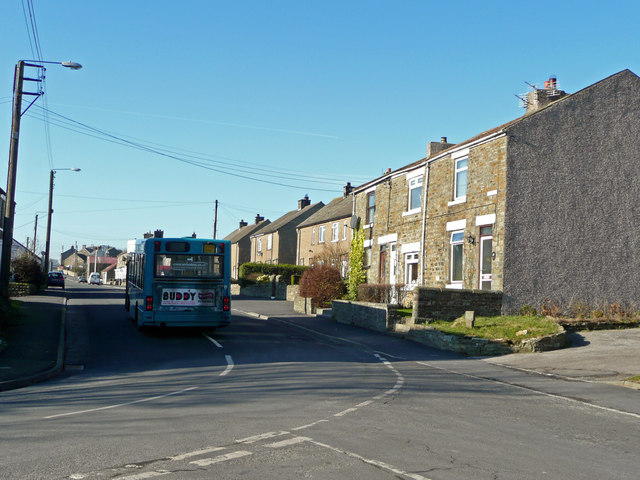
point(544, 207)
point(325, 237)
point(240, 240)
point(277, 242)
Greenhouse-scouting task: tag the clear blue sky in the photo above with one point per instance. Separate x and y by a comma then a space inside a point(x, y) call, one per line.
point(305, 95)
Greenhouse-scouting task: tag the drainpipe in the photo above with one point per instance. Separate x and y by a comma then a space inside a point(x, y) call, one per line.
point(424, 224)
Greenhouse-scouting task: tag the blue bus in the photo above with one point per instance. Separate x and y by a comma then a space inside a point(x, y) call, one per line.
point(179, 282)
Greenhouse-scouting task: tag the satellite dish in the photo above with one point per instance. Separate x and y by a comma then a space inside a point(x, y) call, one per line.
point(355, 221)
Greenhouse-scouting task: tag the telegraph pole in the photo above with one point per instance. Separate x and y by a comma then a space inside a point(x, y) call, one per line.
point(35, 234)
point(7, 234)
point(45, 268)
point(215, 221)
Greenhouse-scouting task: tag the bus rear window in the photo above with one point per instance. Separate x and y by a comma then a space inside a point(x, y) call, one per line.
point(174, 265)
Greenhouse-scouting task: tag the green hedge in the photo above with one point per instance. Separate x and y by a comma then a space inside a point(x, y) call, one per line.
point(287, 271)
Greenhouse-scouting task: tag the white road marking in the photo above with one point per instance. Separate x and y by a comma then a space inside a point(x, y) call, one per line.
point(262, 436)
point(212, 340)
point(141, 476)
point(344, 412)
point(229, 365)
point(377, 463)
point(287, 443)
point(195, 453)
point(309, 425)
point(539, 392)
point(108, 407)
point(222, 458)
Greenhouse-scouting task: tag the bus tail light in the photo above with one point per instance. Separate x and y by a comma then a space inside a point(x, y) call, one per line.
point(226, 303)
point(156, 246)
point(148, 304)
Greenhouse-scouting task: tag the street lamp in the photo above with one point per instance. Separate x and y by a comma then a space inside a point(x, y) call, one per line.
point(9, 210)
point(45, 265)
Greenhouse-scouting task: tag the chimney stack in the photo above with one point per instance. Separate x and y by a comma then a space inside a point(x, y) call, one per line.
point(259, 218)
point(304, 202)
point(243, 223)
point(437, 147)
point(347, 190)
point(541, 97)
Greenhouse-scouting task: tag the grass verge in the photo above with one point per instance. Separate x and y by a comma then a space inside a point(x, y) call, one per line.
point(501, 327)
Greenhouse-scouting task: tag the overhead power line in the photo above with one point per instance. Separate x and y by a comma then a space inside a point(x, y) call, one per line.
point(218, 166)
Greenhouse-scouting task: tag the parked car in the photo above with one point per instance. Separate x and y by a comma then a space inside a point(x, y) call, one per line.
point(94, 279)
point(55, 279)
point(82, 279)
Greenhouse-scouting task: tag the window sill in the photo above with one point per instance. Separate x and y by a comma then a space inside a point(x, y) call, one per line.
point(454, 286)
point(458, 201)
point(411, 212)
point(368, 225)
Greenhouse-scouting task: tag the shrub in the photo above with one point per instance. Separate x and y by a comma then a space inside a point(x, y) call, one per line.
point(550, 308)
point(321, 283)
point(528, 311)
point(27, 270)
point(285, 270)
point(356, 264)
point(383, 293)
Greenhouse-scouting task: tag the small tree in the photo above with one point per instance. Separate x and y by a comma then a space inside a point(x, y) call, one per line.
point(27, 269)
point(356, 264)
point(321, 283)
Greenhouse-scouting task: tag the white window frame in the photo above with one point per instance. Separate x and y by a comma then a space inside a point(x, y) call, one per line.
point(412, 258)
point(344, 230)
point(259, 240)
point(313, 236)
point(270, 241)
point(321, 231)
point(414, 183)
point(335, 231)
point(457, 171)
point(456, 238)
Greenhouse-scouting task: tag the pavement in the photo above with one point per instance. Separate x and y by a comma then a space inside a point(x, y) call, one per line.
point(33, 347)
point(33, 342)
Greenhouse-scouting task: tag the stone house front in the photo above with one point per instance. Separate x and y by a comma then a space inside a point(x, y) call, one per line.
point(277, 242)
point(390, 211)
point(325, 237)
point(542, 208)
point(241, 242)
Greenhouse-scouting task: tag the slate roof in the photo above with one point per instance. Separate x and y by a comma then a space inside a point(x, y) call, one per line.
point(341, 207)
point(243, 232)
point(286, 219)
point(488, 133)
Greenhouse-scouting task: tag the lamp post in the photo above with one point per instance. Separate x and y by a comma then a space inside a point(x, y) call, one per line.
point(45, 266)
point(7, 224)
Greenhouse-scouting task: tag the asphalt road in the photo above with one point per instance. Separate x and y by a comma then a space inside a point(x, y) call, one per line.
point(290, 398)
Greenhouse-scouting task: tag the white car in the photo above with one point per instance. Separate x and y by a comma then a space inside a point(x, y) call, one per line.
point(94, 279)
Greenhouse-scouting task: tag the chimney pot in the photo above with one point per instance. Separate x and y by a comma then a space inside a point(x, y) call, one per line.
point(243, 223)
point(259, 218)
point(305, 202)
point(443, 139)
point(347, 189)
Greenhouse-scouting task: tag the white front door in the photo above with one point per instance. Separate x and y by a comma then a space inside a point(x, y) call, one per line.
point(393, 270)
point(486, 257)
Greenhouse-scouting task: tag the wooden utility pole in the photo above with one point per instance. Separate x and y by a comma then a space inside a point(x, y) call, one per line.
point(35, 235)
point(215, 221)
point(7, 233)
